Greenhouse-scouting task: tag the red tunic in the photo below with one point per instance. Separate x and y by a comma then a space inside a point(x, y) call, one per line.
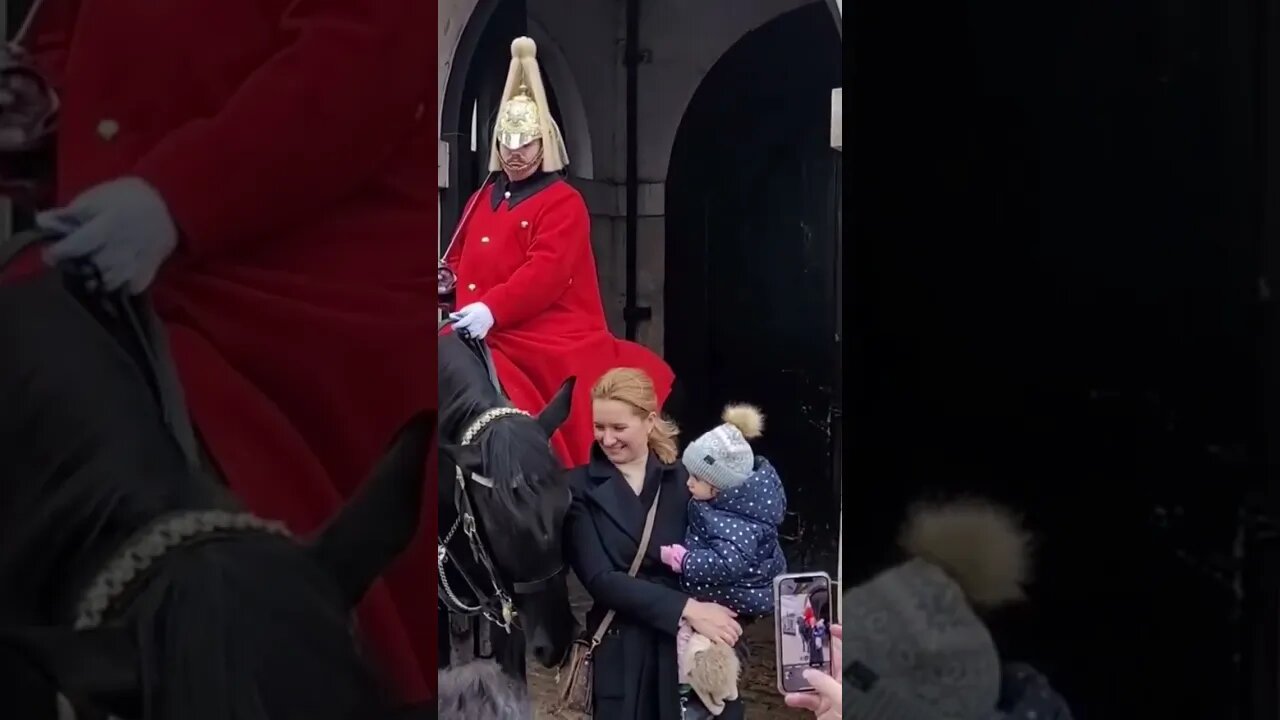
point(293, 143)
point(533, 266)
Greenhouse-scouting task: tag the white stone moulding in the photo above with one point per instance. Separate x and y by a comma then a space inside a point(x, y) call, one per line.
point(442, 165)
point(837, 111)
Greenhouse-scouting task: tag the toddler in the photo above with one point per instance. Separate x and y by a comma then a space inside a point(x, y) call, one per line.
point(731, 553)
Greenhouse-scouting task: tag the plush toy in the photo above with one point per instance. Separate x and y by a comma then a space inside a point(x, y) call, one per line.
point(709, 668)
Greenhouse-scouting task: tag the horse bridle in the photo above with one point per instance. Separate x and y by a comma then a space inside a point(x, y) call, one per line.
point(495, 604)
point(135, 562)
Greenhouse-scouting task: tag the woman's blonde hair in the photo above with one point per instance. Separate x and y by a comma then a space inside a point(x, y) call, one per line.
point(633, 387)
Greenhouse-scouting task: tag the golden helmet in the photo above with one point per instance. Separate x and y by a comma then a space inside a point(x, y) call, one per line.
point(525, 114)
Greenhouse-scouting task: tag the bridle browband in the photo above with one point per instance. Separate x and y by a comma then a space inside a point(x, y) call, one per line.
point(492, 598)
point(136, 559)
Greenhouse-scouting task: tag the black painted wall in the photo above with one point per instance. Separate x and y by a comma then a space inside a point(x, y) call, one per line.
point(1056, 253)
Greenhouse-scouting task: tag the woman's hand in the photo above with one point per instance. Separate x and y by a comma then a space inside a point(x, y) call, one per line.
point(825, 701)
point(715, 621)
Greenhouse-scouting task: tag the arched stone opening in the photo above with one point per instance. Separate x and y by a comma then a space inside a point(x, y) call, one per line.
point(752, 256)
point(472, 83)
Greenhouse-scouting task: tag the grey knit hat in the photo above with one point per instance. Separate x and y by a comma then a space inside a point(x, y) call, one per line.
point(916, 650)
point(722, 456)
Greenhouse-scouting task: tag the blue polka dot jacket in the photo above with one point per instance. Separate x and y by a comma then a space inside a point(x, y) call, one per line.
point(1025, 694)
point(733, 544)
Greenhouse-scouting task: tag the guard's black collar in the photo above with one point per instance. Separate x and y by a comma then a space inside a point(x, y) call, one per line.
point(522, 190)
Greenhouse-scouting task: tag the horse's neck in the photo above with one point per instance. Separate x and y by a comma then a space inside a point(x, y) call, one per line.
point(81, 520)
point(467, 398)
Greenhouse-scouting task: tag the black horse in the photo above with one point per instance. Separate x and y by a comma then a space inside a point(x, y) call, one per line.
point(499, 477)
point(131, 584)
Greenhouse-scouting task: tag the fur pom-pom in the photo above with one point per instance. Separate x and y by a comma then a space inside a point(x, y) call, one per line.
point(982, 546)
point(524, 48)
point(747, 418)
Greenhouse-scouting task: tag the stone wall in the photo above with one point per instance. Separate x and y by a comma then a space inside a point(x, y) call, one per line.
point(582, 46)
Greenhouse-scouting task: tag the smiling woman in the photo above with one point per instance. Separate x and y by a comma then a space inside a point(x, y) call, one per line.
point(629, 500)
point(625, 416)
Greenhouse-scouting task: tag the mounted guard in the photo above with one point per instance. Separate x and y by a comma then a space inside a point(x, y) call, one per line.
point(523, 270)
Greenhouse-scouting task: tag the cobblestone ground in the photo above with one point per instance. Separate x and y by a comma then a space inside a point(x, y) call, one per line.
point(758, 685)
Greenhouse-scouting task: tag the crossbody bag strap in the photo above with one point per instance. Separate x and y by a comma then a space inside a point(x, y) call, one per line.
point(635, 565)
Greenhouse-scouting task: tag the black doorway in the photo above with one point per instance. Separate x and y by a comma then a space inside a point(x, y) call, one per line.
point(1055, 301)
point(752, 271)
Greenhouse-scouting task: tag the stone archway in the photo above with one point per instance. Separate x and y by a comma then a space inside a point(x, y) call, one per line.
point(573, 112)
point(453, 20)
point(474, 35)
point(752, 257)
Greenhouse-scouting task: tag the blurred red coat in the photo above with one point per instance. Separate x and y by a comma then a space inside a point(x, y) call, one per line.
point(293, 143)
point(533, 266)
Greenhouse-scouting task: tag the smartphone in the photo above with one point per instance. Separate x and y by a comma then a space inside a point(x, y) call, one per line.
point(803, 613)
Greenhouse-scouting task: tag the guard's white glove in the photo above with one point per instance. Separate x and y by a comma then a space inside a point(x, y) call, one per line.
point(473, 321)
point(123, 226)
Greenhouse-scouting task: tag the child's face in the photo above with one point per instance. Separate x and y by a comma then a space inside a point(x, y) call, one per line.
point(700, 489)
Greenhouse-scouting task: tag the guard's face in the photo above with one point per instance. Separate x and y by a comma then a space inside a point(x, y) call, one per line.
point(523, 161)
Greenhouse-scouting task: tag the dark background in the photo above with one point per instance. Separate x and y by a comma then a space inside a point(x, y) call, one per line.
point(1061, 229)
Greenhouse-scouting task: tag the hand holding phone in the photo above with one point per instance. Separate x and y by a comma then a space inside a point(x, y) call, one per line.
point(803, 636)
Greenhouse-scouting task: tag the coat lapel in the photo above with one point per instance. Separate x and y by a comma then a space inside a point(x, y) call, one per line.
point(609, 491)
point(604, 493)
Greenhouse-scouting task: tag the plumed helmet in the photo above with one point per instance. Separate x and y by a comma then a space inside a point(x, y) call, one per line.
point(525, 113)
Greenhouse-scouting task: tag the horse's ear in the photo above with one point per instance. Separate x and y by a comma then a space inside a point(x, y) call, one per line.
point(557, 411)
point(466, 457)
point(380, 521)
point(92, 668)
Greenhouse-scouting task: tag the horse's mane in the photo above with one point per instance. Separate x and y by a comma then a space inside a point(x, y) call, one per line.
point(515, 450)
point(244, 629)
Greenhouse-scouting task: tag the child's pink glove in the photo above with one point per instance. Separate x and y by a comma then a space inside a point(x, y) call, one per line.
point(673, 556)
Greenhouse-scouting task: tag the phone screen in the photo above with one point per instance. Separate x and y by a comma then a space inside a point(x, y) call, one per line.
point(802, 628)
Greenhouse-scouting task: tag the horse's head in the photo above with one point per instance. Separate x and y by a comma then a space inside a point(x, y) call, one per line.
point(520, 498)
point(248, 626)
